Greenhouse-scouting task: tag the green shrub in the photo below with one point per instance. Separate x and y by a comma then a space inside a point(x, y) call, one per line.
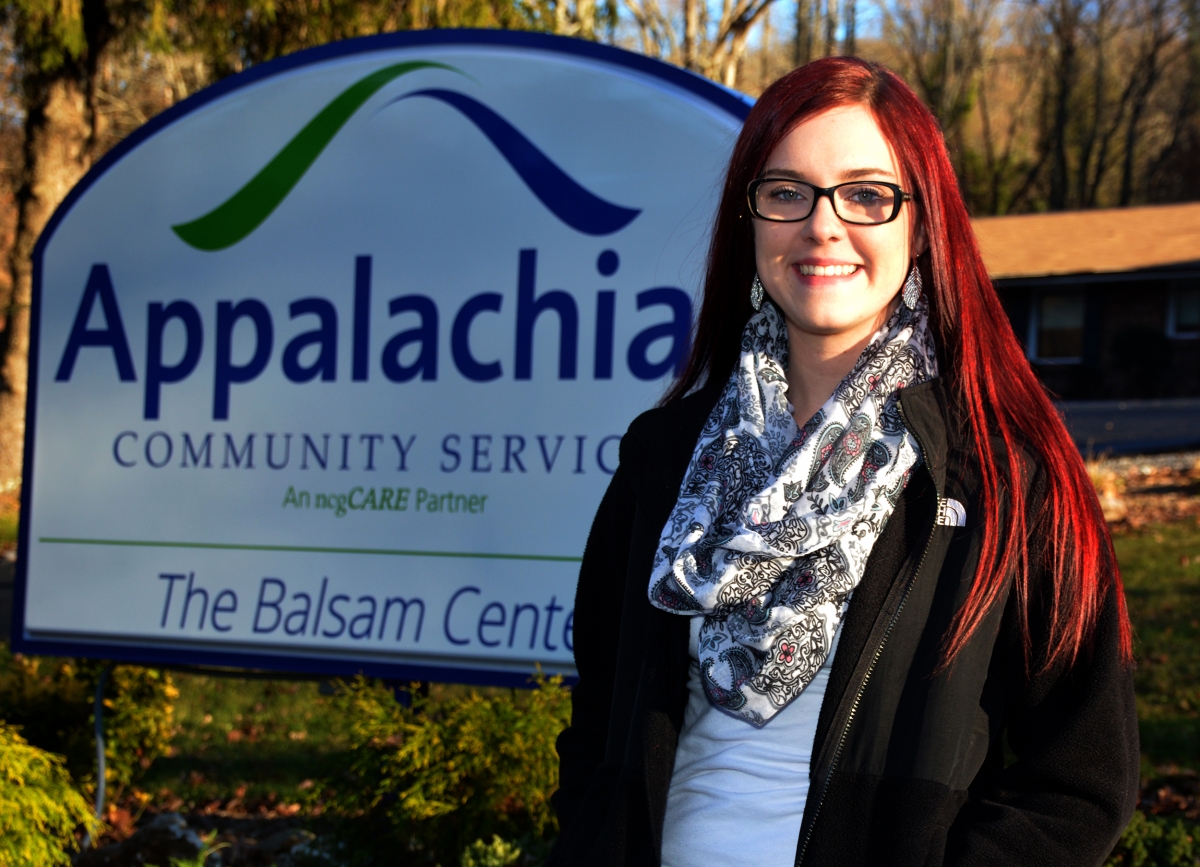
point(9, 520)
point(497, 853)
point(53, 701)
point(138, 721)
point(454, 769)
point(1155, 841)
point(205, 858)
point(39, 807)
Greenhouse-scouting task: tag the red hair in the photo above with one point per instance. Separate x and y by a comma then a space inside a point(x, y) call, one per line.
point(1001, 399)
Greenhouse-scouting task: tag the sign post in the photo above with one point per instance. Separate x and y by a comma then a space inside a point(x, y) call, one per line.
point(330, 363)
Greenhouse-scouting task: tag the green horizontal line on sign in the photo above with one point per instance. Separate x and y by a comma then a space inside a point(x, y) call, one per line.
point(310, 549)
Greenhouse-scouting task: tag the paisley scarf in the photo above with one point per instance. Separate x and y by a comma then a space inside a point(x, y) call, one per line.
point(774, 522)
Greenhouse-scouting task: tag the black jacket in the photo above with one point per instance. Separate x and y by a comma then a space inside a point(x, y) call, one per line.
point(977, 765)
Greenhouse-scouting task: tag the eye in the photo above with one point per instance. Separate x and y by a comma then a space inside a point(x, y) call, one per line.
point(867, 194)
point(786, 193)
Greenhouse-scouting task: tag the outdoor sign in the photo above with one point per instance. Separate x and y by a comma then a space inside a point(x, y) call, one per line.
point(331, 361)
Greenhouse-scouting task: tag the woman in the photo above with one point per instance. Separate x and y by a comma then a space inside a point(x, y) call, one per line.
point(849, 599)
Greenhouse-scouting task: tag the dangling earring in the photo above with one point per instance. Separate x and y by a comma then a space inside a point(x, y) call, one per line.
point(912, 288)
point(756, 293)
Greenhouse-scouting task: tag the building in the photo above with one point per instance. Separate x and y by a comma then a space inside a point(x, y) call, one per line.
point(1107, 305)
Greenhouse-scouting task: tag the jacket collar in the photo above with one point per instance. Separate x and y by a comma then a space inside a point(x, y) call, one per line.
point(659, 446)
point(923, 408)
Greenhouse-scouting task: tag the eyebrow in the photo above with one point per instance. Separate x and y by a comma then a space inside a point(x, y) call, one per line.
point(850, 175)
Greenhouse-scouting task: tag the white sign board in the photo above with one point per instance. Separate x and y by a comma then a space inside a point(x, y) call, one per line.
point(331, 361)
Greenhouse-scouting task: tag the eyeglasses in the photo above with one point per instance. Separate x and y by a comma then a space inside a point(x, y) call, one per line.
point(860, 203)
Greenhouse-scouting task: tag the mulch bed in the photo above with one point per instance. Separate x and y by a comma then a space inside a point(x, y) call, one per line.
point(1173, 792)
point(1156, 489)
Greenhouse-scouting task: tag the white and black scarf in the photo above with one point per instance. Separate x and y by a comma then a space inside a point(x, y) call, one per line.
point(774, 523)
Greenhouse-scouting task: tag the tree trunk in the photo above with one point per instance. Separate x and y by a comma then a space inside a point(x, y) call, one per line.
point(1151, 69)
point(729, 66)
point(62, 132)
point(1066, 33)
point(764, 75)
point(802, 49)
point(1136, 108)
point(850, 42)
point(58, 137)
point(691, 34)
point(831, 26)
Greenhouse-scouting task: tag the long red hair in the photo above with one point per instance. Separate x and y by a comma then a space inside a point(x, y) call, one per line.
point(1001, 399)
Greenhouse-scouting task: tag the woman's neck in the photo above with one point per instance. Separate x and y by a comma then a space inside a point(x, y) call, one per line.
point(816, 365)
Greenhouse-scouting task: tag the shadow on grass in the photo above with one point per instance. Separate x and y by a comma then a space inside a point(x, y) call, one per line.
point(1168, 742)
point(246, 775)
point(256, 743)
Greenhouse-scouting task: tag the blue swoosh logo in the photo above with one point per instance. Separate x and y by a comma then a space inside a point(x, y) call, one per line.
point(568, 200)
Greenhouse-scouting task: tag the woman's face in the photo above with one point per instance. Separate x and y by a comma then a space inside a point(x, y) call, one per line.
point(828, 277)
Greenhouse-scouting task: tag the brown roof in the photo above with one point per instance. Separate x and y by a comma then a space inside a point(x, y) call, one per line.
point(1090, 242)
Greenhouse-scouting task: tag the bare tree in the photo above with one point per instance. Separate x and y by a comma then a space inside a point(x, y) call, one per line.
point(1156, 31)
point(695, 38)
point(764, 53)
point(944, 48)
point(1101, 117)
point(806, 25)
point(1003, 179)
point(831, 26)
point(1173, 175)
point(1102, 65)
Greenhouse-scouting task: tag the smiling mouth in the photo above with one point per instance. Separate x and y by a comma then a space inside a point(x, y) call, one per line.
point(827, 270)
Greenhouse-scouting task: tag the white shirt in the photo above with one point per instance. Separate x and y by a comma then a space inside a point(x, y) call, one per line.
point(737, 792)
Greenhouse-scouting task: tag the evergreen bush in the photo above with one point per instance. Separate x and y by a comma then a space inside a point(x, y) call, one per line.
point(52, 700)
point(138, 721)
point(1155, 841)
point(448, 772)
point(497, 853)
point(40, 809)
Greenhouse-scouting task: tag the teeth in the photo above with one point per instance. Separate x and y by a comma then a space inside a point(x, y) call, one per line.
point(827, 270)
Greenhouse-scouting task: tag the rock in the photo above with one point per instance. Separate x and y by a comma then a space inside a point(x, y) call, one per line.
point(1114, 508)
point(1112, 503)
point(164, 837)
point(285, 841)
point(311, 852)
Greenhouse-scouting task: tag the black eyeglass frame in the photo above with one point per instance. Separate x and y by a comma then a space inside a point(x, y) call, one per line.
point(827, 192)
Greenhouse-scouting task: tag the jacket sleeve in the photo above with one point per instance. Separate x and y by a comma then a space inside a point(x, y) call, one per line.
point(1068, 784)
point(598, 603)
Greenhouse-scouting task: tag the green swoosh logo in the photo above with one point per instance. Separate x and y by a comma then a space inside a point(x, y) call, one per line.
point(245, 210)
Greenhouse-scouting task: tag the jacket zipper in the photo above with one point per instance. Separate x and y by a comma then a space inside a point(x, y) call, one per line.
point(837, 754)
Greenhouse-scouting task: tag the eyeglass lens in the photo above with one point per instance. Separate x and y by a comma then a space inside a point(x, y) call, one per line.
point(858, 202)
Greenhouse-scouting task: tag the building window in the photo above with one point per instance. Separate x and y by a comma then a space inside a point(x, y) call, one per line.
point(1056, 327)
point(1183, 309)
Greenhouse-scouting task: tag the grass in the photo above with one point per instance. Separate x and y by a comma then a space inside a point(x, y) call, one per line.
point(261, 740)
point(1161, 568)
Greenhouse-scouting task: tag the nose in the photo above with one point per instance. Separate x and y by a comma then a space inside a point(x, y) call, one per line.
point(823, 225)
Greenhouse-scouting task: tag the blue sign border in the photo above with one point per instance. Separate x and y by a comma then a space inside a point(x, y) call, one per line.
point(730, 101)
